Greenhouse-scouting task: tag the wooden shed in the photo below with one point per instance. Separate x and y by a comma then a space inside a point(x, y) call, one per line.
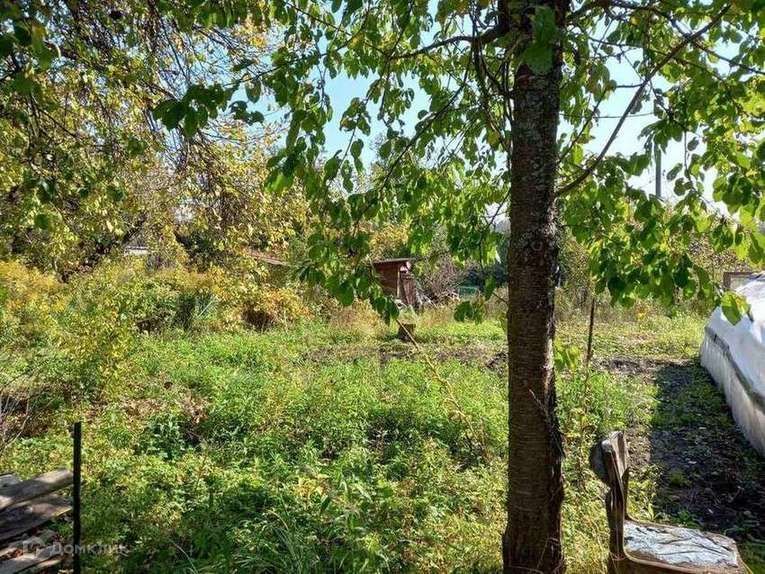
point(397, 279)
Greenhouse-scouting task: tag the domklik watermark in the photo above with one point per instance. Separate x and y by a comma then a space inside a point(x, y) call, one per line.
point(40, 547)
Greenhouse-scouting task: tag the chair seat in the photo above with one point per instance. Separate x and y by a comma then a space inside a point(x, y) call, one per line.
point(681, 547)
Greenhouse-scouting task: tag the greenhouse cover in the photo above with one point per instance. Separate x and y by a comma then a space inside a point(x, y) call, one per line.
point(735, 357)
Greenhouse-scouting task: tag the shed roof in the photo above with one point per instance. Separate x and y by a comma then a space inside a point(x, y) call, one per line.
point(394, 260)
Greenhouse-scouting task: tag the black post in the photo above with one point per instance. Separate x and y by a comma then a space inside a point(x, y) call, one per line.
point(590, 329)
point(77, 480)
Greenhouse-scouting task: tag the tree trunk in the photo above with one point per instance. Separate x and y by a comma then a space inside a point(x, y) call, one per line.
point(532, 540)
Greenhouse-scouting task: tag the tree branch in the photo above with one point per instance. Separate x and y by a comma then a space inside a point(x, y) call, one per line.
point(638, 94)
point(476, 41)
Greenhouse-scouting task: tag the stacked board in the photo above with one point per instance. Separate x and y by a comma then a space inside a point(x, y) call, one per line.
point(25, 508)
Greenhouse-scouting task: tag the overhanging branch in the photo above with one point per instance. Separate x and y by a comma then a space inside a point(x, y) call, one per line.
point(638, 94)
point(486, 37)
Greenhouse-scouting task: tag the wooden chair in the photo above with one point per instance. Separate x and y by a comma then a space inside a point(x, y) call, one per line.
point(649, 548)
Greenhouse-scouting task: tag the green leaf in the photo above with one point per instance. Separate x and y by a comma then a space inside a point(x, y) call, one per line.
point(673, 173)
point(470, 311)
point(538, 55)
point(616, 286)
point(24, 84)
point(170, 112)
point(566, 357)
point(42, 221)
point(734, 307)
point(492, 137)
point(489, 286)
point(761, 151)
point(22, 34)
point(351, 7)
point(190, 123)
point(280, 182)
point(7, 43)
point(356, 148)
point(345, 294)
point(253, 90)
point(331, 168)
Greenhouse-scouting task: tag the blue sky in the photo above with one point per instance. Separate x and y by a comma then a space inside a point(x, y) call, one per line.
point(343, 89)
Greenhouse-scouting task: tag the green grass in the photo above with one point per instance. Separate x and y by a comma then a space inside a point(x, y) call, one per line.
point(333, 448)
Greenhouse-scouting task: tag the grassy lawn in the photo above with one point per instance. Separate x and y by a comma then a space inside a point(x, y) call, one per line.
point(336, 447)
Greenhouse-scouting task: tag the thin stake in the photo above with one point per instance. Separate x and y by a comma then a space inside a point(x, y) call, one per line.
point(657, 161)
point(77, 484)
point(589, 334)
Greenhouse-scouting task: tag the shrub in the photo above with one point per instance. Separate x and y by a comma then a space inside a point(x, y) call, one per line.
point(263, 307)
point(576, 288)
point(28, 301)
point(79, 334)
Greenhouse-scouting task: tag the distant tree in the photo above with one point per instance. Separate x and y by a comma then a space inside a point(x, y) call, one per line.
point(84, 166)
point(497, 79)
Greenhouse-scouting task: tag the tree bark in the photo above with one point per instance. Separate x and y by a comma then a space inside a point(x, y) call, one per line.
point(532, 539)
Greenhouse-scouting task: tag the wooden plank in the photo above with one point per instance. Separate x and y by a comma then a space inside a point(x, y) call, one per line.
point(8, 479)
point(34, 561)
point(44, 566)
point(16, 494)
point(37, 512)
point(37, 541)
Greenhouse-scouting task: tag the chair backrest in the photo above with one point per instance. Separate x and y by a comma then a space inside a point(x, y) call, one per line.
point(609, 460)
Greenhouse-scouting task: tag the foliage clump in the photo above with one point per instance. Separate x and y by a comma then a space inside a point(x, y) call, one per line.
point(78, 335)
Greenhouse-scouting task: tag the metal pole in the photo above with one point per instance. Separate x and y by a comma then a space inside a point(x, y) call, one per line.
point(657, 162)
point(77, 487)
point(590, 330)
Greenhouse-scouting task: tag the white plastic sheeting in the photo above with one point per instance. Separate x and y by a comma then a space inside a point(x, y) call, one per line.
point(681, 547)
point(735, 357)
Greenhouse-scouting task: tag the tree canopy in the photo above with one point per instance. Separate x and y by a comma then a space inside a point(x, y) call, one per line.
point(86, 167)
point(433, 86)
point(699, 65)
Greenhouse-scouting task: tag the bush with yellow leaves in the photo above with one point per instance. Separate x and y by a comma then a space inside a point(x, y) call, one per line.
point(28, 302)
point(78, 335)
point(265, 306)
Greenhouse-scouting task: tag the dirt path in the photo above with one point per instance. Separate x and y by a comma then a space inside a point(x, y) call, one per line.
point(707, 474)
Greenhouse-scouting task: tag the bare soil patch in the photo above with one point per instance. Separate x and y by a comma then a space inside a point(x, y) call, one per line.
point(707, 473)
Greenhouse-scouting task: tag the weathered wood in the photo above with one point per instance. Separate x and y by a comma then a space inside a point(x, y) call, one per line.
point(37, 541)
point(646, 547)
point(18, 520)
point(407, 288)
point(8, 479)
point(16, 494)
point(406, 332)
point(388, 273)
point(44, 566)
point(34, 561)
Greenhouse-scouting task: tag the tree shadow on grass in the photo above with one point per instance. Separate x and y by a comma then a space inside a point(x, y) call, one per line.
point(708, 475)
